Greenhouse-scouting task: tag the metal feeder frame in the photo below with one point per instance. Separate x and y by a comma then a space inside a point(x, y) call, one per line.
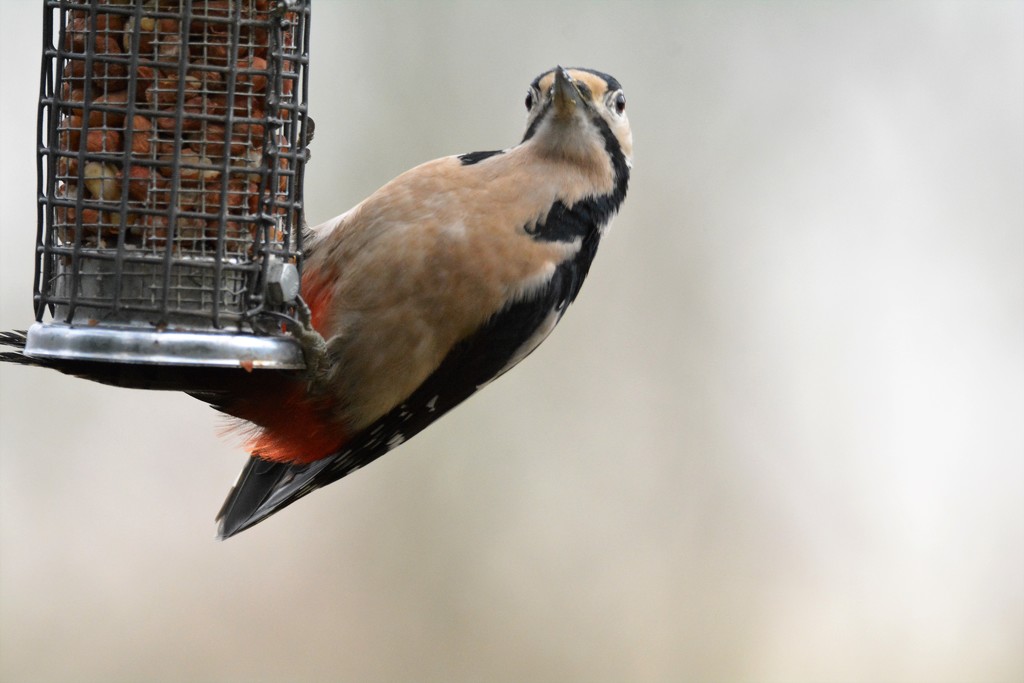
point(171, 149)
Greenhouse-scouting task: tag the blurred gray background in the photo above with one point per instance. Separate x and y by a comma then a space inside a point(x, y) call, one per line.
point(778, 438)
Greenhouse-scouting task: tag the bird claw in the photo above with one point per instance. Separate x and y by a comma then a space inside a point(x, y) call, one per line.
point(314, 347)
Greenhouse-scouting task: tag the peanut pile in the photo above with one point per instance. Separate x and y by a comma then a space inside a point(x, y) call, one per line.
point(160, 120)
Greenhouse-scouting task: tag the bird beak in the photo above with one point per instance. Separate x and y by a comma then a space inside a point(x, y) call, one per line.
point(564, 94)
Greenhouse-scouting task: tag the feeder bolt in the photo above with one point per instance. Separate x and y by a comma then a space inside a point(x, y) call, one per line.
point(282, 283)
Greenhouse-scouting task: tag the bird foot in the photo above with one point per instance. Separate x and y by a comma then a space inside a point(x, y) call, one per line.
point(314, 347)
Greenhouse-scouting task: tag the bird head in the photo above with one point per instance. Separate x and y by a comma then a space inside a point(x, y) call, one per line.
point(578, 114)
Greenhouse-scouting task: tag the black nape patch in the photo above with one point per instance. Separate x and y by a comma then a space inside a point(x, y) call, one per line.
point(471, 158)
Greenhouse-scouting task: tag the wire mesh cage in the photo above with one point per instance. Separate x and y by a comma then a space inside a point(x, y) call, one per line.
point(172, 142)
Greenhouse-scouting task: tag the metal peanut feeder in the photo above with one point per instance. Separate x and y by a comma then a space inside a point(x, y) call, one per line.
point(172, 142)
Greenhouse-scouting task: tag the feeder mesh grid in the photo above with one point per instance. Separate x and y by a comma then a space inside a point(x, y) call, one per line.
point(172, 141)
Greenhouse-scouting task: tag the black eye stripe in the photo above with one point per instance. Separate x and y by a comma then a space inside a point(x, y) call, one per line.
point(536, 119)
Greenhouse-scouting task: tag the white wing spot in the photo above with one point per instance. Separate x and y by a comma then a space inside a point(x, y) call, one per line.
point(396, 441)
point(432, 404)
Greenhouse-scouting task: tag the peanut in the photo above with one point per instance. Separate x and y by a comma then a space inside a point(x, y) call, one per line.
point(104, 140)
point(208, 149)
point(140, 179)
point(114, 117)
point(101, 181)
point(142, 139)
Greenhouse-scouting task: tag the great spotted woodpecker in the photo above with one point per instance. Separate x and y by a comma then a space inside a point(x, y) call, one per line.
point(429, 289)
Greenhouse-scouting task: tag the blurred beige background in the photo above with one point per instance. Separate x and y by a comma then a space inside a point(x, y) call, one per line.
point(779, 437)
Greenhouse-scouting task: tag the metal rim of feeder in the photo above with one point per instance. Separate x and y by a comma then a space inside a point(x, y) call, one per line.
point(171, 147)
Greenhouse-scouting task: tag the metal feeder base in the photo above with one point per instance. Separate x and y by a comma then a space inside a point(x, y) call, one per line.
point(174, 361)
point(54, 341)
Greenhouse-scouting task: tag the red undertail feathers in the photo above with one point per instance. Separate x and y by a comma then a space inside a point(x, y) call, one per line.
point(291, 426)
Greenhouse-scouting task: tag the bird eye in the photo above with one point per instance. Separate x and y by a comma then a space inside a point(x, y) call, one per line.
point(620, 103)
point(529, 101)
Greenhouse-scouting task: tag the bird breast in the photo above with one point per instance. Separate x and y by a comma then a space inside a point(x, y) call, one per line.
point(423, 263)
